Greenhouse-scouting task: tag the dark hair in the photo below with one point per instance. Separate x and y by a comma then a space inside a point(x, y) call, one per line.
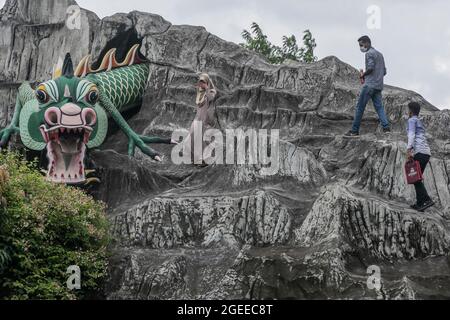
point(414, 107)
point(365, 39)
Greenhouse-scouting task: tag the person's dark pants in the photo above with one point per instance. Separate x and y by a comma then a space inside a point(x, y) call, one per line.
point(365, 96)
point(421, 193)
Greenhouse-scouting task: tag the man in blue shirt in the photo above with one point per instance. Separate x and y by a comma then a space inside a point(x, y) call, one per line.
point(373, 80)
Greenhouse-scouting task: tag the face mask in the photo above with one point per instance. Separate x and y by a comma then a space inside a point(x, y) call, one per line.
point(364, 50)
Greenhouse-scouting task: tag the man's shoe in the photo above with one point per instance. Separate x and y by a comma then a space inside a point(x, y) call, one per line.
point(202, 165)
point(426, 205)
point(387, 130)
point(351, 134)
point(414, 206)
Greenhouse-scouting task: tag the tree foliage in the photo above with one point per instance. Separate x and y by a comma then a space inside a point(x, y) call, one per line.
point(4, 255)
point(257, 41)
point(44, 229)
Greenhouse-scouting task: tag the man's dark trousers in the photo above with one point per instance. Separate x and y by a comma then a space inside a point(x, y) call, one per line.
point(421, 192)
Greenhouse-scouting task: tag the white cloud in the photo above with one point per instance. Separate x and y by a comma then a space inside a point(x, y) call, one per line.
point(420, 87)
point(442, 65)
point(446, 104)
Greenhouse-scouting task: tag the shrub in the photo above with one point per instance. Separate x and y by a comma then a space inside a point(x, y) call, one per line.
point(44, 229)
point(256, 40)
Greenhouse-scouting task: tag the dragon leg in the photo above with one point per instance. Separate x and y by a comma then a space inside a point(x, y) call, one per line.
point(13, 128)
point(134, 140)
point(157, 140)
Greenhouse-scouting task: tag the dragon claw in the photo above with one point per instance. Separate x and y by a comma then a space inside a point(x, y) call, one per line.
point(90, 181)
point(5, 135)
point(139, 143)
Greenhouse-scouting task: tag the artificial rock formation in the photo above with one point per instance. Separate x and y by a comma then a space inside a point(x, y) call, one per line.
point(310, 231)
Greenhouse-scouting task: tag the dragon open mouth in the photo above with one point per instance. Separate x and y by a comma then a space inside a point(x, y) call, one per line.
point(67, 132)
point(66, 149)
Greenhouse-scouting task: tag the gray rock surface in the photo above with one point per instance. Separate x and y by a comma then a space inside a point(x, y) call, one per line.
point(335, 207)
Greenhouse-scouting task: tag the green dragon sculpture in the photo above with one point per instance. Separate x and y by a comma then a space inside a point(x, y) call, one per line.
point(70, 114)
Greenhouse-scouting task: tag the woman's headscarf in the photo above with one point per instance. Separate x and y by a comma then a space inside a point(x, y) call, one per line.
point(201, 93)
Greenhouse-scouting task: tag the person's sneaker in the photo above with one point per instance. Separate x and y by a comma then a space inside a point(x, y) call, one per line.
point(351, 134)
point(202, 165)
point(387, 130)
point(426, 205)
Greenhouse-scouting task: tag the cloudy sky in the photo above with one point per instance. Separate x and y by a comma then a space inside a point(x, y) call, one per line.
point(413, 35)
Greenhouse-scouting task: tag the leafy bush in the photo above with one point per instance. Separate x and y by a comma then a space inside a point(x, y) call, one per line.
point(44, 229)
point(4, 256)
point(257, 41)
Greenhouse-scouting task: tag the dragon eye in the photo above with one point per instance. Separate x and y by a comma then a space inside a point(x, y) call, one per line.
point(42, 95)
point(92, 96)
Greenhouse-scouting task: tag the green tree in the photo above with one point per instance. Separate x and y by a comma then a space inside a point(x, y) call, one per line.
point(44, 229)
point(4, 256)
point(309, 45)
point(257, 41)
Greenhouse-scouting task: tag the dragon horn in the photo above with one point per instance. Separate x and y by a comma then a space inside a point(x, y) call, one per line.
point(84, 67)
point(131, 56)
point(67, 69)
point(57, 71)
point(109, 60)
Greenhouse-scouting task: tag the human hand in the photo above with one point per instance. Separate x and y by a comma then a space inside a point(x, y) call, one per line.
point(361, 73)
point(409, 154)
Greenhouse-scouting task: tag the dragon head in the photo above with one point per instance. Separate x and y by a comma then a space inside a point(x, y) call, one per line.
point(67, 120)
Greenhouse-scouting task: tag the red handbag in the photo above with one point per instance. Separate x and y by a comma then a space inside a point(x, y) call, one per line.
point(413, 172)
